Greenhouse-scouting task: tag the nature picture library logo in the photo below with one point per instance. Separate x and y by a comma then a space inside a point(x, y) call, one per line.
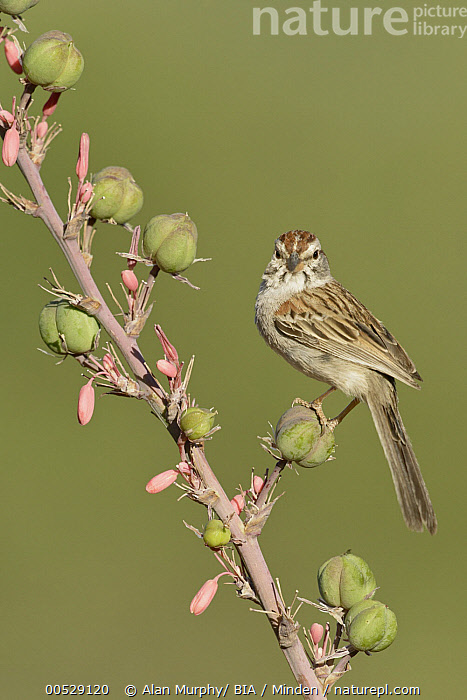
point(323, 18)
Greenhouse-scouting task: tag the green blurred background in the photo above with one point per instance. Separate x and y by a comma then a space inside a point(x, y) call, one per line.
point(359, 139)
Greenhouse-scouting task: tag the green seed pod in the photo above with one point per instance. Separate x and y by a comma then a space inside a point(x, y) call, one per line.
point(48, 327)
point(345, 580)
point(80, 330)
point(196, 422)
point(116, 195)
point(16, 7)
point(320, 451)
point(169, 240)
point(370, 626)
point(53, 62)
point(216, 534)
point(296, 432)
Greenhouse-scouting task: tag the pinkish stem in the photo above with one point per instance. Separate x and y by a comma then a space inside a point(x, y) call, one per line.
point(252, 556)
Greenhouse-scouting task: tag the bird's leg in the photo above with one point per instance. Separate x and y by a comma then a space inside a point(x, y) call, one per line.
point(316, 405)
point(334, 422)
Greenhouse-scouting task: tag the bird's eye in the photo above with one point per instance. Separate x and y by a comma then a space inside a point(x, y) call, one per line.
point(277, 254)
point(316, 255)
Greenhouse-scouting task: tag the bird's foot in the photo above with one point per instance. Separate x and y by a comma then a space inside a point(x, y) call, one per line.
point(301, 402)
point(317, 407)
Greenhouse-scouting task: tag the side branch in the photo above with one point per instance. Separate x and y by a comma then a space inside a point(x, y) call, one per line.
point(70, 248)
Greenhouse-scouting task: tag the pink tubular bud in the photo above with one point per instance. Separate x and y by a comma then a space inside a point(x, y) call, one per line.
point(12, 55)
point(51, 105)
point(83, 157)
point(258, 484)
point(10, 146)
point(86, 403)
point(206, 593)
point(316, 632)
point(85, 193)
point(238, 503)
point(166, 368)
point(6, 117)
point(41, 130)
point(130, 280)
point(204, 596)
point(161, 481)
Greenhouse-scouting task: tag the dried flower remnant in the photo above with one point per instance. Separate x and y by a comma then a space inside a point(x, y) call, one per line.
point(110, 367)
point(169, 350)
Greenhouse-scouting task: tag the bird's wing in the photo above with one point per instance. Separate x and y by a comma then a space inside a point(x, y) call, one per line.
point(331, 319)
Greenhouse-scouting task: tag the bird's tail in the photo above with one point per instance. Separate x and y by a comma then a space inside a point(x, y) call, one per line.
point(411, 491)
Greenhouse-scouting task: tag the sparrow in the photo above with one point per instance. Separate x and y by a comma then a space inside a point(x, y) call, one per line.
point(322, 330)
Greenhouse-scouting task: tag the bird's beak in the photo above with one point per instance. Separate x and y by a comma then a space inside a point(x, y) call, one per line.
point(292, 261)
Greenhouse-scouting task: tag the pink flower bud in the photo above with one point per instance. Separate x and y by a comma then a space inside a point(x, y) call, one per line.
point(86, 403)
point(166, 368)
point(41, 130)
point(238, 503)
point(316, 632)
point(6, 117)
point(83, 157)
point(161, 481)
point(204, 596)
point(10, 146)
point(130, 280)
point(184, 468)
point(50, 106)
point(85, 193)
point(258, 484)
point(12, 55)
